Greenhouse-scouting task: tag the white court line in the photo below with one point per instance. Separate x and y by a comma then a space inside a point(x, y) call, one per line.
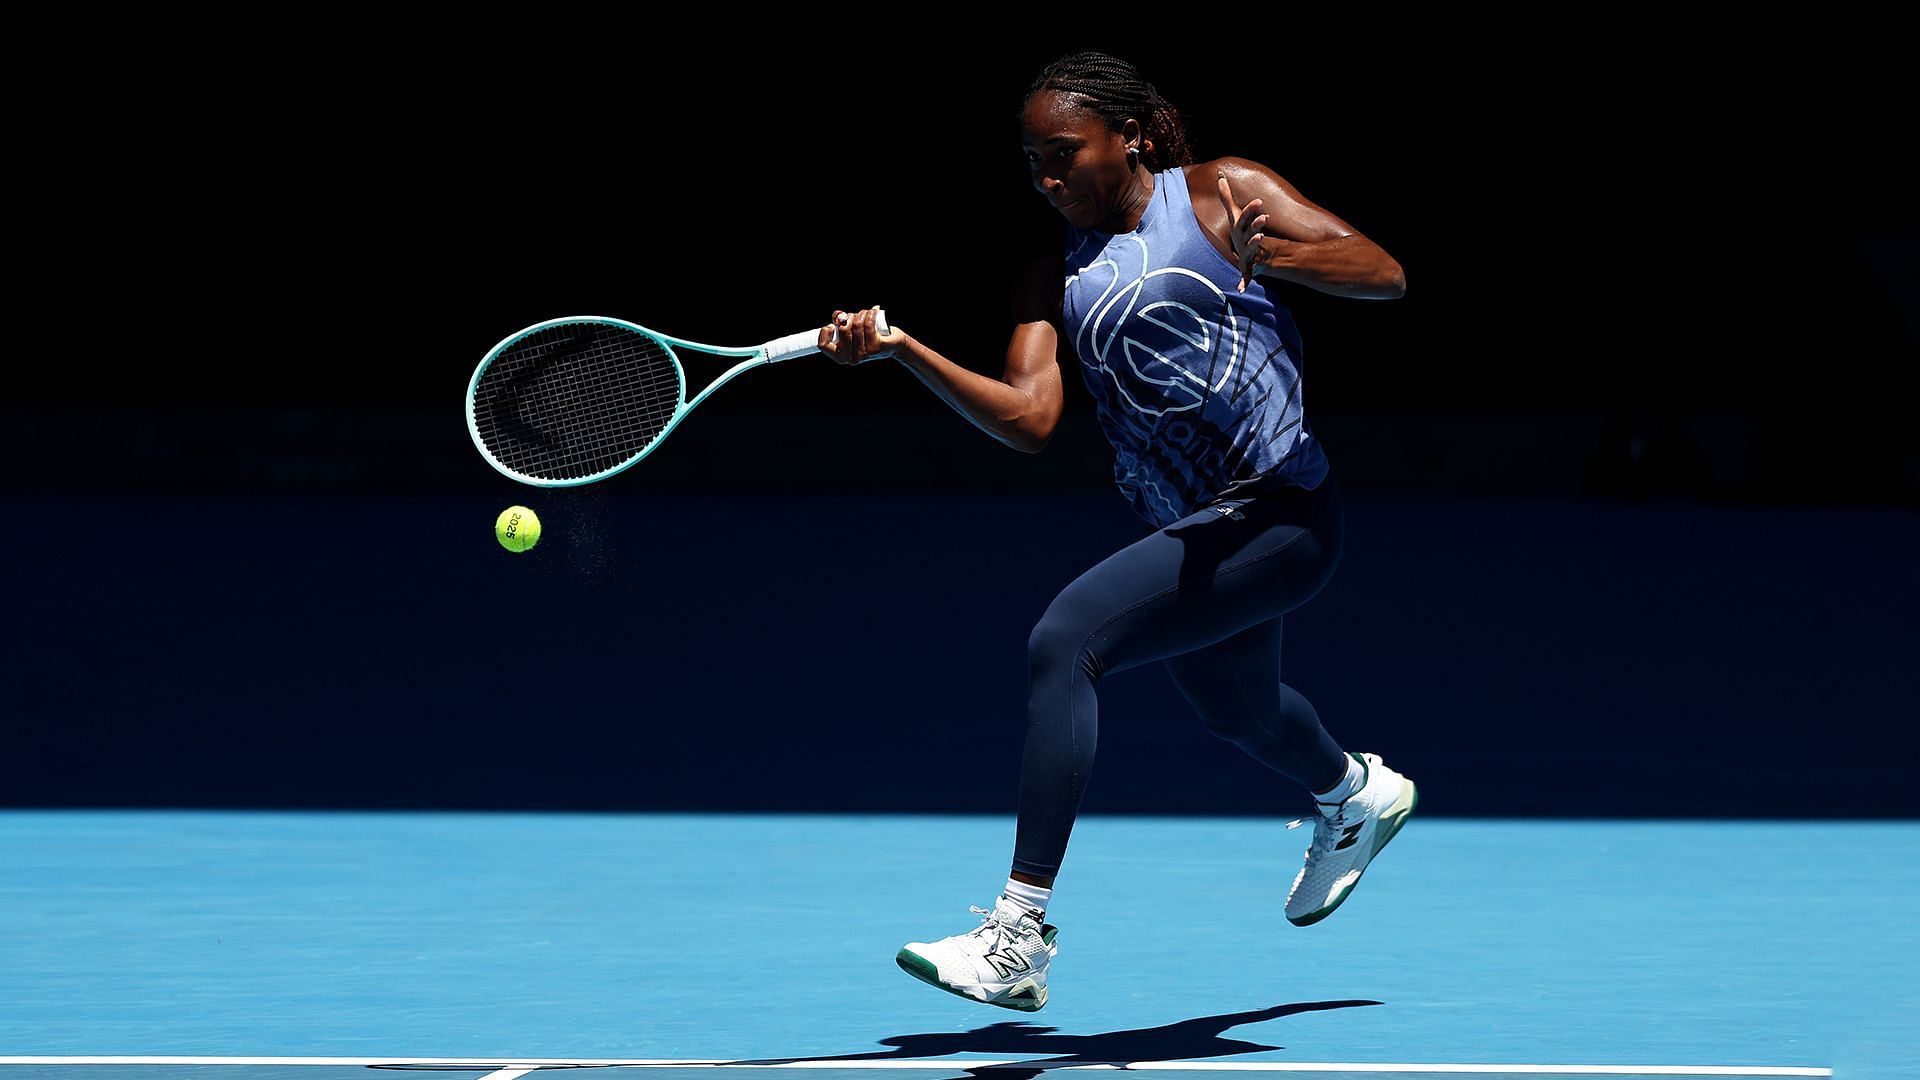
point(510, 1070)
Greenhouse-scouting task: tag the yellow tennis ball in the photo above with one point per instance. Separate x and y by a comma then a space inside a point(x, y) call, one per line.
point(517, 528)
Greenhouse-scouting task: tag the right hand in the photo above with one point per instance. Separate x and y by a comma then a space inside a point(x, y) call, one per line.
point(860, 339)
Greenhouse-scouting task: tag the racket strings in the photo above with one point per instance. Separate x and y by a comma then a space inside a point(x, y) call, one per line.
point(570, 401)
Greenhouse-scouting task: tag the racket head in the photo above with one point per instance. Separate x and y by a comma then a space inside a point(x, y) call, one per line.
point(575, 399)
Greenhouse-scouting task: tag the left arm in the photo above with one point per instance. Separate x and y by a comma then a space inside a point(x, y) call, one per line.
point(1278, 233)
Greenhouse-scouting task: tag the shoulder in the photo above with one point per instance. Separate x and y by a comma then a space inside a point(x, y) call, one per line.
point(1038, 273)
point(1290, 214)
point(1203, 191)
point(1041, 255)
point(1256, 180)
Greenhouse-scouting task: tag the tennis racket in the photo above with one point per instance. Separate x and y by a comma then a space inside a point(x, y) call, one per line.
point(570, 401)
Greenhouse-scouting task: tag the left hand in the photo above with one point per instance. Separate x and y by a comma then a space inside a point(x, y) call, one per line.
point(1247, 227)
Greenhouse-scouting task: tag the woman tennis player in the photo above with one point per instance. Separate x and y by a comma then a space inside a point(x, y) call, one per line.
point(1169, 294)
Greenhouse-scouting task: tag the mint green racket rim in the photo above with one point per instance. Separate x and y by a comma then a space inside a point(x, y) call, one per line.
point(756, 356)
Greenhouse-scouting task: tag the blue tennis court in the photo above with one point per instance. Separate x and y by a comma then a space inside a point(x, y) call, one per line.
point(315, 770)
point(322, 945)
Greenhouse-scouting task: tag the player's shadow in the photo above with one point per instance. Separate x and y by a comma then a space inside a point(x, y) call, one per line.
point(1182, 1041)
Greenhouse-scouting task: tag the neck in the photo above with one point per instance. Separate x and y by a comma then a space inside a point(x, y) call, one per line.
point(1133, 203)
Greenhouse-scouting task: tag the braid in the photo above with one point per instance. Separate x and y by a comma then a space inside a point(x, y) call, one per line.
point(1116, 92)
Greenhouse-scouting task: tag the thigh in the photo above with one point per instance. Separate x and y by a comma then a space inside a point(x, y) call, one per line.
point(1202, 579)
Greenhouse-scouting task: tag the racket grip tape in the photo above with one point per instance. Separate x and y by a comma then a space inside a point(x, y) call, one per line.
point(806, 342)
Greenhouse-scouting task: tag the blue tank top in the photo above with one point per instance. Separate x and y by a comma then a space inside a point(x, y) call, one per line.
point(1196, 385)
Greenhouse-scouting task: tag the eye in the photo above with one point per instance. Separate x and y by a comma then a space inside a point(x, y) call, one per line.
point(1066, 151)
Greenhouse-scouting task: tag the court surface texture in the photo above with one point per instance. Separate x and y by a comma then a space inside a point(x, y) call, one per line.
point(319, 946)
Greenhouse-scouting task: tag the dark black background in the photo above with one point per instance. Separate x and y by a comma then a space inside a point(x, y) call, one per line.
point(1664, 221)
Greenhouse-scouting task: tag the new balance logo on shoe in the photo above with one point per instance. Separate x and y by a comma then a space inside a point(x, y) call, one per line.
point(1001, 962)
point(1337, 857)
point(1007, 962)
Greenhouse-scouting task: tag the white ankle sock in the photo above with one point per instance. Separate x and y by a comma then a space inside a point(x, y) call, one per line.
point(1026, 895)
point(1348, 784)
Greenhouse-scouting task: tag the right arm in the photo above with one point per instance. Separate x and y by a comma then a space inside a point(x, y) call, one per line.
point(1022, 407)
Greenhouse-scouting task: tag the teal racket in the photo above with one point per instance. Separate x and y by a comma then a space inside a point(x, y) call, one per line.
point(570, 401)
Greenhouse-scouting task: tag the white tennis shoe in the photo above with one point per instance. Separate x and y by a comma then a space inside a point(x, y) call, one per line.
point(1346, 837)
point(1001, 962)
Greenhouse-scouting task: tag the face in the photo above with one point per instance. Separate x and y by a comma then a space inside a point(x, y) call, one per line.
point(1074, 160)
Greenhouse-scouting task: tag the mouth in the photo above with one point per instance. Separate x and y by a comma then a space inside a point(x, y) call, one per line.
point(1064, 205)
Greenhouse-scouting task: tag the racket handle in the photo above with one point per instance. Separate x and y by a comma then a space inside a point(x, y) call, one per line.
point(806, 342)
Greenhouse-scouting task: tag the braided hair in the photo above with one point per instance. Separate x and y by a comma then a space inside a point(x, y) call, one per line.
point(1116, 92)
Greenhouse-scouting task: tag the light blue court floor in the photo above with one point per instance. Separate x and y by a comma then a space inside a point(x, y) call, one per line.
point(475, 945)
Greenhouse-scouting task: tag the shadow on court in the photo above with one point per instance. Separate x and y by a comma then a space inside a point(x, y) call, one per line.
point(1182, 1041)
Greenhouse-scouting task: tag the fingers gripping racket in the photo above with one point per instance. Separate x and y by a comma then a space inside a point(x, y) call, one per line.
point(570, 401)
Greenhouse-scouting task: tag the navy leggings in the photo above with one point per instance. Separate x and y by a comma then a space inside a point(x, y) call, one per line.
point(1205, 595)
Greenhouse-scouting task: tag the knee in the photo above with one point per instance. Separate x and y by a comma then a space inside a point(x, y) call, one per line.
point(1234, 725)
point(1059, 644)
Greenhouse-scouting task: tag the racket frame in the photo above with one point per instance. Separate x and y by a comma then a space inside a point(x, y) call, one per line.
point(786, 348)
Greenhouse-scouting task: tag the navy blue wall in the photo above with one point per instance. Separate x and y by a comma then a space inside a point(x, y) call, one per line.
point(867, 653)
